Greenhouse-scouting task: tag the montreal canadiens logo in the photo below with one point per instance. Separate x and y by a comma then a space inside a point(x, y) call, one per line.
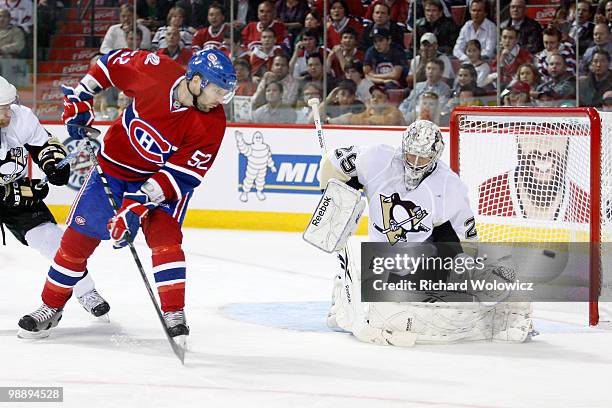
point(148, 142)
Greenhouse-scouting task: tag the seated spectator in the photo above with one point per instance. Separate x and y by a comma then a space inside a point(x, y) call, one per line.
point(582, 27)
point(176, 18)
point(245, 85)
point(433, 83)
point(517, 94)
point(344, 52)
point(303, 110)
point(599, 80)
point(307, 46)
point(339, 21)
point(529, 74)
point(444, 28)
point(134, 39)
point(263, 53)
point(398, 10)
point(478, 28)
point(483, 69)
point(467, 80)
point(173, 48)
point(428, 51)
point(151, 13)
point(211, 36)
point(316, 73)
point(561, 86)
point(511, 56)
point(116, 35)
point(601, 41)
point(292, 13)
point(353, 70)
point(553, 45)
point(312, 21)
point(561, 23)
point(274, 111)
point(428, 108)
point(529, 30)
point(341, 100)
point(381, 19)
point(353, 7)
point(12, 39)
point(22, 12)
point(251, 34)
point(279, 73)
point(378, 112)
point(383, 64)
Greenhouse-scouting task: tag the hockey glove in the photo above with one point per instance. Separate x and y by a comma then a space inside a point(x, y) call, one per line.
point(21, 193)
point(134, 208)
point(78, 110)
point(51, 154)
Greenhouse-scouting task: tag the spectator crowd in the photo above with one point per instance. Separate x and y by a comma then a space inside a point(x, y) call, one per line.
point(383, 62)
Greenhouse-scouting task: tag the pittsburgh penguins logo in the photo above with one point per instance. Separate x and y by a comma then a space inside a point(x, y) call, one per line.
point(400, 217)
point(13, 166)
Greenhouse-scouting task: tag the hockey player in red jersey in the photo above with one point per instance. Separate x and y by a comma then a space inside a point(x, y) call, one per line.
point(153, 157)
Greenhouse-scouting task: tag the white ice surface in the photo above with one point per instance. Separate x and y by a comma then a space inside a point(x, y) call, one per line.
point(256, 304)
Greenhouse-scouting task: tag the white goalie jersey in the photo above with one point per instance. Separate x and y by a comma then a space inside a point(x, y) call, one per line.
point(438, 209)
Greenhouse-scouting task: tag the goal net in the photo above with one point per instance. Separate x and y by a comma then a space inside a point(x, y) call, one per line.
point(540, 175)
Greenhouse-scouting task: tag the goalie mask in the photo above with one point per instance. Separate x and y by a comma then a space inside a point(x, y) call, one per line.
point(422, 146)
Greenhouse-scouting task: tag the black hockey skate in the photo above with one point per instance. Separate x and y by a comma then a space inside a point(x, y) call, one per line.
point(176, 323)
point(94, 303)
point(38, 323)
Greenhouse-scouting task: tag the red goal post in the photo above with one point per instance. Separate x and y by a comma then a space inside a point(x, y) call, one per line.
point(485, 152)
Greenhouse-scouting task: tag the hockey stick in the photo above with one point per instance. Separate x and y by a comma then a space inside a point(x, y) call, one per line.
point(178, 350)
point(314, 104)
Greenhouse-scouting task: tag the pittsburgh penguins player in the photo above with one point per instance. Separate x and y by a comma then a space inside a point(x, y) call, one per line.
point(412, 197)
point(22, 209)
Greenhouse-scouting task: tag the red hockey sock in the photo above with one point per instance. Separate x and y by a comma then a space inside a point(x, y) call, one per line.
point(68, 267)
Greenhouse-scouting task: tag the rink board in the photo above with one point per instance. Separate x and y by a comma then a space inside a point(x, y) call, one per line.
point(291, 193)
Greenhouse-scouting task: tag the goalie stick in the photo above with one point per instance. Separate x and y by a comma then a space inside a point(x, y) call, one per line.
point(178, 350)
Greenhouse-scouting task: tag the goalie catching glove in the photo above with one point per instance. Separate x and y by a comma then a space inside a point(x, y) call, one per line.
point(21, 193)
point(126, 222)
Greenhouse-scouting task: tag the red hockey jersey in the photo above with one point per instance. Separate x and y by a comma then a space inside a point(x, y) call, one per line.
point(156, 137)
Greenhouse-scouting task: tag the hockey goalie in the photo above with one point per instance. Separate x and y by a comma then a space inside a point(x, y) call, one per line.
point(412, 197)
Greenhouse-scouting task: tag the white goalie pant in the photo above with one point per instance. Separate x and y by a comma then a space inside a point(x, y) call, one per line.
point(45, 238)
point(406, 324)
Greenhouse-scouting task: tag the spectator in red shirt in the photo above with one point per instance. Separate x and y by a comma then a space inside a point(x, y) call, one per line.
point(340, 20)
point(251, 34)
point(262, 54)
point(399, 10)
point(173, 49)
point(511, 56)
point(344, 52)
point(211, 36)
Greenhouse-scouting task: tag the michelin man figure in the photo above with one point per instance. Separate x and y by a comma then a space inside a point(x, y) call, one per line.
point(259, 158)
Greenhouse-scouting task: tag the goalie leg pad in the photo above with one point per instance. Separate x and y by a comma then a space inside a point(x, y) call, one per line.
point(346, 306)
point(336, 217)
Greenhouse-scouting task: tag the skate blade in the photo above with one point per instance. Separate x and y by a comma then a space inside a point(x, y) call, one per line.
point(105, 318)
point(25, 334)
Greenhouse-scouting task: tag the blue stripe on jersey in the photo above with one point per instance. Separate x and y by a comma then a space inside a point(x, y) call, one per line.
point(104, 59)
point(59, 277)
point(169, 275)
point(185, 182)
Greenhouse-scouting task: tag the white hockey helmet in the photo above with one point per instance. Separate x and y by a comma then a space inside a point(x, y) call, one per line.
point(8, 92)
point(422, 146)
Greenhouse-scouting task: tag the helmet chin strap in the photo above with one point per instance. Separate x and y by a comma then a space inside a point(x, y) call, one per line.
point(194, 97)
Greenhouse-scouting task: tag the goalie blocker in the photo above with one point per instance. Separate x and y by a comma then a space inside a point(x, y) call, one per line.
point(335, 218)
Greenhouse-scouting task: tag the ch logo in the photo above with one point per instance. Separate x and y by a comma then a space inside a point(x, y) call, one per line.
point(148, 142)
